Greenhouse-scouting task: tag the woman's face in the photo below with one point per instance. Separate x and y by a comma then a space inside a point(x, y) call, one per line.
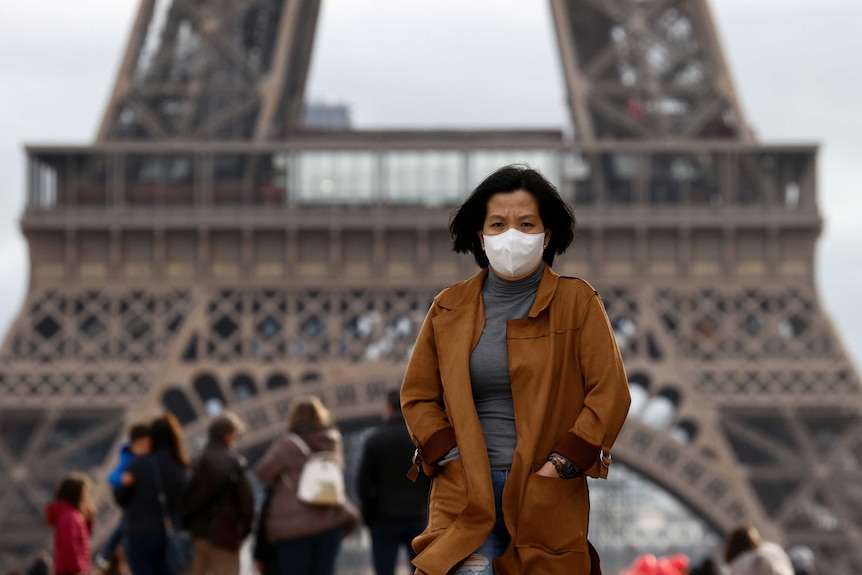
point(518, 209)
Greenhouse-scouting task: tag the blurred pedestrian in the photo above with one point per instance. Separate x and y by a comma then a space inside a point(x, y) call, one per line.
point(71, 516)
point(746, 553)
point(706, 567)
point(802, 559)
point(307, 537)
point(137, 445)
point(218, 507)
point(40, 565)
point(138, 495)
point(515, 392)
point(393, 507)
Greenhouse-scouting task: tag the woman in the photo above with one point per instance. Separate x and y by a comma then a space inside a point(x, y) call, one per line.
point(748, 554)
point(307, 537)
point(138, 495)
point(515, 392)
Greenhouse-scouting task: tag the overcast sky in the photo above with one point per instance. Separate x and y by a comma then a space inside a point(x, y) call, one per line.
point(481, 63)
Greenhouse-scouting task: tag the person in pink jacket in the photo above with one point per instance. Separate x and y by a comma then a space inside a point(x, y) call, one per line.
point(70, 514)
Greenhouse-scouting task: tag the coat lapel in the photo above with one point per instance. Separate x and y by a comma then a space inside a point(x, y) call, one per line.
point(545, 292)
point(455, 340)
point(457, 330)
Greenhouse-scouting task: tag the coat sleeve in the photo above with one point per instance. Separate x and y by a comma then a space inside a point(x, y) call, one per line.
point(606, 394)
point(422, 400)
point(339, 449)
point(81, 535)
point(366, 482)
point(245, 497)
point(123, 494)
point(198, 490)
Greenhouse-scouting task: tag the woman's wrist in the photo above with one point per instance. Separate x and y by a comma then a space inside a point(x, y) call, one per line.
point(548, 470)
point(564, 467)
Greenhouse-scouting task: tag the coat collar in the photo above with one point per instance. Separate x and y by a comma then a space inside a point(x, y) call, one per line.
point(467, 293)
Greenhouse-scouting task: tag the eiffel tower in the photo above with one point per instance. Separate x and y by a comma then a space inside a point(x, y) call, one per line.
point(209, 250)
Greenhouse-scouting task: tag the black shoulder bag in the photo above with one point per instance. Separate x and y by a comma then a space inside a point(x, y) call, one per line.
point(179, 547)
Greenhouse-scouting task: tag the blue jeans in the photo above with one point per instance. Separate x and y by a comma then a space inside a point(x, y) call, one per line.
point(310, 555)
point(114, 539)
point(388, 535)
point(479, 562)
point(145, 553)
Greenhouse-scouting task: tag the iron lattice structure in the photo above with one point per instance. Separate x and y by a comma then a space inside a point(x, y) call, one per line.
point(207, 251)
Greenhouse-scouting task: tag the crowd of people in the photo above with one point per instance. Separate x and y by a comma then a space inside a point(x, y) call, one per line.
point(212, 498)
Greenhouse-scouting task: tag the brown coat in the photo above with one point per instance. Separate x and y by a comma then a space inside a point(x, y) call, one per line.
point(570, 395)
point(219, 504)
point(280, 468)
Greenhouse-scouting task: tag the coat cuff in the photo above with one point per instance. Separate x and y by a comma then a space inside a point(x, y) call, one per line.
point(437, 446)
point(584, 455)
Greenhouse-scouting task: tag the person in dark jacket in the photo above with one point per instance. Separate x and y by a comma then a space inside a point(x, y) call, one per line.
point(393, 507)
point(138, 444)
point(139, 496)
point(40, 565)
point(219, 504)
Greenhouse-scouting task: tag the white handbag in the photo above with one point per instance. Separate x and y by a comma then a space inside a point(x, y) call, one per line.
point(321, 481)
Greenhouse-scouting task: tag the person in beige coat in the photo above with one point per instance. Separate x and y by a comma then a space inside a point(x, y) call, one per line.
point(307, 537)
point(515, 393)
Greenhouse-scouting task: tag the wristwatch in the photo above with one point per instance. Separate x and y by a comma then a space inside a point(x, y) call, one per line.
point(565, 468)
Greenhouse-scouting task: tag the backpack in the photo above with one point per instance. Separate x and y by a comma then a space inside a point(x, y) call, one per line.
point(321, 481)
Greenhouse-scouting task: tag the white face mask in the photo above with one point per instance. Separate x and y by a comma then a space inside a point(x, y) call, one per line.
point(514, 253)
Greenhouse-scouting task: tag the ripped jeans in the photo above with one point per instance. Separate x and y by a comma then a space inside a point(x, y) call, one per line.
point(479, 562)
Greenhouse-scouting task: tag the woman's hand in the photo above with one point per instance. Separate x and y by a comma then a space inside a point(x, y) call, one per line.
point(127, 479)
point(548, 470)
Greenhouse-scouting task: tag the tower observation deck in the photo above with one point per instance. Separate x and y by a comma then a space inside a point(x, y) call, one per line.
point(209, 251)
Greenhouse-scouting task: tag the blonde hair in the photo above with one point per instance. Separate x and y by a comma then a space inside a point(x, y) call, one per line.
point(308, 414)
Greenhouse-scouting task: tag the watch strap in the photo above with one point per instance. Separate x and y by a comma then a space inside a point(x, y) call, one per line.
point(565, 468)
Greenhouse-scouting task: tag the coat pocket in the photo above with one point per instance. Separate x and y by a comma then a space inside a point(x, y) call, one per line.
point(448, 495)
point(553, 514)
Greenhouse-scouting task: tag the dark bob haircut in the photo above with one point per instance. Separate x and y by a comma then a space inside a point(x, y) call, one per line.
point(469, 218)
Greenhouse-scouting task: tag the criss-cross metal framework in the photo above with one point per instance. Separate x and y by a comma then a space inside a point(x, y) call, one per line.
point(646, 70)
point(206, 252)
point(214, 70)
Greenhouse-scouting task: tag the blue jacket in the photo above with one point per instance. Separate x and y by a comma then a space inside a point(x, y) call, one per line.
point(126, 457)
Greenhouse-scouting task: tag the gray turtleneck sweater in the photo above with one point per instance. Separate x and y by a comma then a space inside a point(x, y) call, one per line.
point(489, 362)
